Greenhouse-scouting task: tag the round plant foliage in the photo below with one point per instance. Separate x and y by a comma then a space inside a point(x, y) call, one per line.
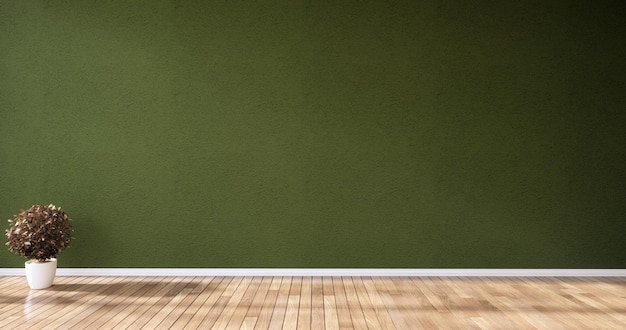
point(40, 232)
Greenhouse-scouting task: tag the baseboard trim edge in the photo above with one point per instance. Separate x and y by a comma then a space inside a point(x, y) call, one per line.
point(466, 272)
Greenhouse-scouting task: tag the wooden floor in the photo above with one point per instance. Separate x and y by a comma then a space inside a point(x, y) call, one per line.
point(315, 303)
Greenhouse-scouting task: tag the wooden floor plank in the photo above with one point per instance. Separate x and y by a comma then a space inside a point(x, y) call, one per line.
point(94, 309)
point(232, 305)
point(293, 304)
point(364, 302)
point(254, 311)
point(355, 309)
point(153, 315)
point(183, 313)
point(160, 315)
point(245, 302)
point(210, 296)
point(75, 313)
point(133, 303)
point(151, 302)
point(331, 321)
point(382, 313)
point(403, 316)
point(11, 289)
point(343, 308)
point(305, 309)
point(444, 302)
point(259, 297)
point(13, 301)
point(120, 302)
point(265, 314)
point(35, 303)
point(315, 303)
point(218, 307)
point(90, 293)
point(280, 307)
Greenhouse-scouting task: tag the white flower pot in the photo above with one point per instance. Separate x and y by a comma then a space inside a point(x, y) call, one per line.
point(40, 274)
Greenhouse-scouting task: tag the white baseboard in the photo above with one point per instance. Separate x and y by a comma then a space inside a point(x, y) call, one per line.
point(468, 272)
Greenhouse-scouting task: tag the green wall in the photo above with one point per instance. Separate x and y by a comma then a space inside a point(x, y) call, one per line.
point(319, 133)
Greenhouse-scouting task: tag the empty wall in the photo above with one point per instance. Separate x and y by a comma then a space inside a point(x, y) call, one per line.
point(319, 133)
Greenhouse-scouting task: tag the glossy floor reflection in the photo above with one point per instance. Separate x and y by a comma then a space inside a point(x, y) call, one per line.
point(315, 303)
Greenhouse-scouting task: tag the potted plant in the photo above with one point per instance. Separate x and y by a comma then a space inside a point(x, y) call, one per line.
point(39, 234)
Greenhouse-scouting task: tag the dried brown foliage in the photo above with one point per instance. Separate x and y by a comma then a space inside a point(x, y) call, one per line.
point(40, 232)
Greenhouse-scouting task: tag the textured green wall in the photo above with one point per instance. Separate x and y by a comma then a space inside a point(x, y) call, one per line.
point(319, 133)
